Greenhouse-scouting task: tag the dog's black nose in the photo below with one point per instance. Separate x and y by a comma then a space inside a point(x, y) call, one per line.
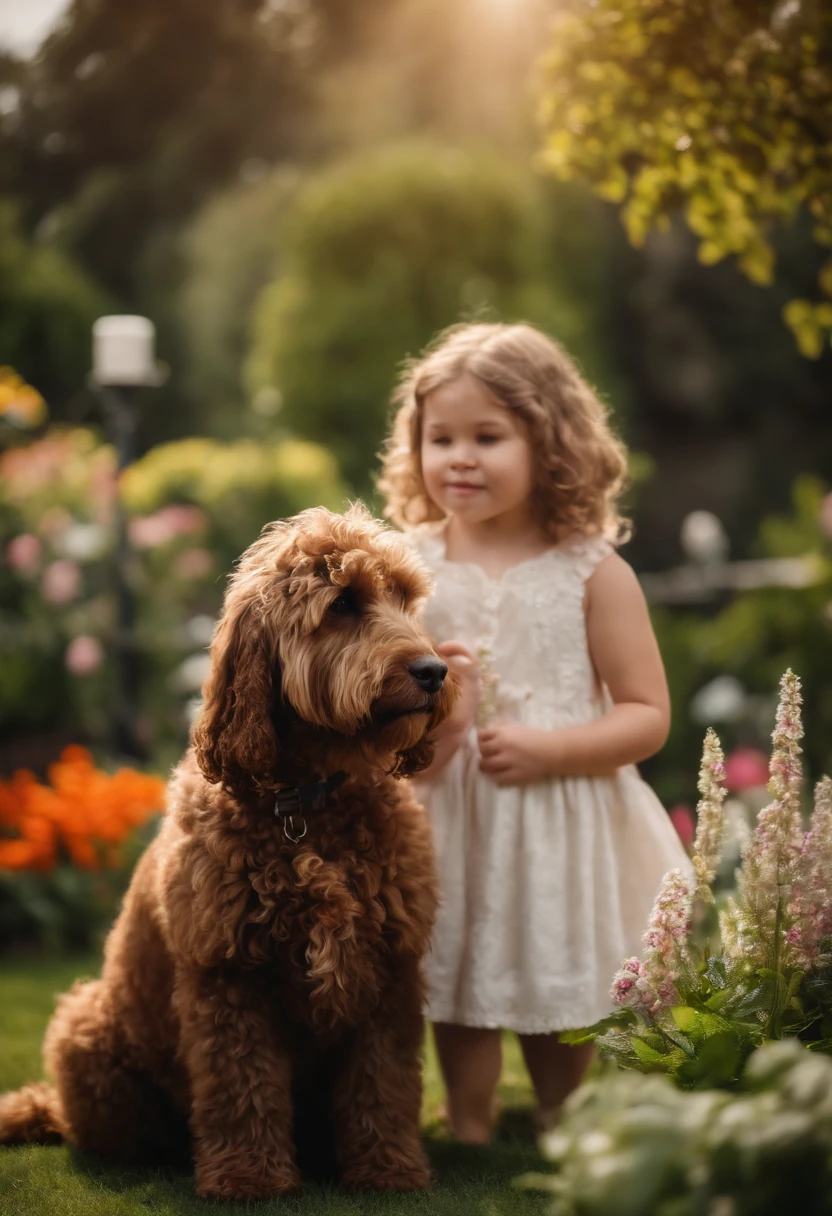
point(428, 672)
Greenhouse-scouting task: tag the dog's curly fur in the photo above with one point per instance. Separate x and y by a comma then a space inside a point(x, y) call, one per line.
point(261, 998)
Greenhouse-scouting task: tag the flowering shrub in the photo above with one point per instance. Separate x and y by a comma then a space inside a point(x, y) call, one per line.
point(56, 533)
point(66, 848)
point(193, 506)
point(637, 1146)
point(21, 405)
point(695, 1012)
point(225, 492)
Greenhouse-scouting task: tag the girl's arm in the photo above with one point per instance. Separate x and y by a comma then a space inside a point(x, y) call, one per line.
point(626, 658)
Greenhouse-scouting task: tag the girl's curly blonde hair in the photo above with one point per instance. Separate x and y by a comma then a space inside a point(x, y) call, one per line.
point(580, 464)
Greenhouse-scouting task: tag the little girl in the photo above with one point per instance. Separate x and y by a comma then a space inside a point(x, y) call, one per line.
point(504, 472)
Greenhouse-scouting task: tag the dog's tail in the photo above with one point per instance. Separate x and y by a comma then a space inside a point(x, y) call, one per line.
point(31, 1115)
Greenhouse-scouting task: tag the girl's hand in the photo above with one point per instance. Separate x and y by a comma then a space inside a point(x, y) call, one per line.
point(517, 755)
point(463, 664)
point(449, 736)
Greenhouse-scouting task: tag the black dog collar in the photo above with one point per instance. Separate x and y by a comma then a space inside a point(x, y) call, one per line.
point(290, 802)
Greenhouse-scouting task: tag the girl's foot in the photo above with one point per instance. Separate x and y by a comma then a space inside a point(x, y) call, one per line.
point(470, 1058)
point(471, 1131)
point(546, 1118)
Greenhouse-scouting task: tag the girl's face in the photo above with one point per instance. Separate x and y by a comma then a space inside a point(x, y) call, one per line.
point(477, 462)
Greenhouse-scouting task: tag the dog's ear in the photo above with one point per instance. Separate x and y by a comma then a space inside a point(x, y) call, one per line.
point(234, 739)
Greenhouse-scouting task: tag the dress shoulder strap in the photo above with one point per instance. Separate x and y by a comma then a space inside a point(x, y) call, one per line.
point(587, 552)
point(427, 542)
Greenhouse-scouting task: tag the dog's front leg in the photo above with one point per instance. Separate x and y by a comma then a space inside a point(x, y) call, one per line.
point(240, 1076)
point(378, 1096)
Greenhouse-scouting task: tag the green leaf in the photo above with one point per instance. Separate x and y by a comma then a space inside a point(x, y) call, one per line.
point(825, 277)
point(683, 1016)
point(698, 1025)
point(658, 1061)
point(717, 1000)
point(795, 982)
point(648, 1054)
point(757, 262)
point(711, 252)
point(718, 1062)
point(715, 972)
point(805, 328)
point(586, 1034)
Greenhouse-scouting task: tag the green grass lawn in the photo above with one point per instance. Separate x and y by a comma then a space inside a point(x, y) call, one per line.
point(61, 1182)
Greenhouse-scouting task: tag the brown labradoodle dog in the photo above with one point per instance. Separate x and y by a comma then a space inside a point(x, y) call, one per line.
point(262, 983)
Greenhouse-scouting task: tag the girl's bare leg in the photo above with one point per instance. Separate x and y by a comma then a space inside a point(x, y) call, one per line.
point(555, 1069)
point(471, 1059)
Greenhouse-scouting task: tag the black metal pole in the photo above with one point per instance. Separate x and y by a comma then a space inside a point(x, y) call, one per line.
point(120, 405)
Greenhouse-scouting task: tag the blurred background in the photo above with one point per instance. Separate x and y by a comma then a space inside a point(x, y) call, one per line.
point(298, 194)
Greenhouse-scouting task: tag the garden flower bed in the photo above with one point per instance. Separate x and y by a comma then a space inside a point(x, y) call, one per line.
point(67, 848)
point(734, 1004)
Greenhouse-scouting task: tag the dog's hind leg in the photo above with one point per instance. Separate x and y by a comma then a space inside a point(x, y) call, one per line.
point(108, 1105)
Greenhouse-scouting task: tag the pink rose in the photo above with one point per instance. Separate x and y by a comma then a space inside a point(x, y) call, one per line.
point(745, 769)
point(194, 563)
point(183, 520)
point(84, 655)
point(148, 531)
point(61, 581)
point(23, 553)
point(682, 819)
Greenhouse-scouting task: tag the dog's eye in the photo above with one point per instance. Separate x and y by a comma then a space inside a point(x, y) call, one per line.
point(344, 604)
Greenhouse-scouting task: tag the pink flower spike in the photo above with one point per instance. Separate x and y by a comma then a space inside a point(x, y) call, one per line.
point(772, 864)
point(666, 939)
point(710, 816)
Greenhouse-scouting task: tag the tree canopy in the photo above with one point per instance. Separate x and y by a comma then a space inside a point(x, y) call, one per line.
point(381, 252)
point(47, 306)
point(722, 106)
point(131, 115)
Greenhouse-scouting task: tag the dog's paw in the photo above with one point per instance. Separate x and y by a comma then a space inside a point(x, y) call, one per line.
point(371, 1176)
point(255, 1179)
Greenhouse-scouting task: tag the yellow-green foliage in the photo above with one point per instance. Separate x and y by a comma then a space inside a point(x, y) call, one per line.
point(728, 113)
point(241, 486)
point(291, 474)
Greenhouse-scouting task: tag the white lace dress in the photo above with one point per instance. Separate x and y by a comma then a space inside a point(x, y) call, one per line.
point(544, 888)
